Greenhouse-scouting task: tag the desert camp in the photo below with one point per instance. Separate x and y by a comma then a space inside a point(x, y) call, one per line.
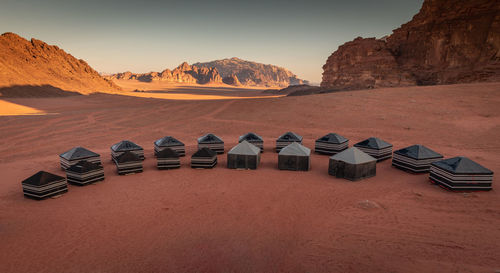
point(249, 136)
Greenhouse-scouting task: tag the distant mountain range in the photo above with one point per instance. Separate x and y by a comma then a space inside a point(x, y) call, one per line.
point(32, 63)
point(253, 74)
point(234, 71)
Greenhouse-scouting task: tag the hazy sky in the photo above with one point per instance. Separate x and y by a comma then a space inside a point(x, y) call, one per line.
point(151, 35)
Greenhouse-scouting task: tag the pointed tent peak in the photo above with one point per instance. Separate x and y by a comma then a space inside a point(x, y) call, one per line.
point(333, 138)
point(205, 152)
point(78, 153)
point(210, 138)
point(250, 136)
point(167, 153)
point(374, 143)
point(245, 148)
point(168, 141)
point(418, 152)
point(42, 178)
point(84, 166)
point(125, 145)
point(295, 149)
point(462, 165)
point(128, 157)
point(290, 136)
point(353, 155)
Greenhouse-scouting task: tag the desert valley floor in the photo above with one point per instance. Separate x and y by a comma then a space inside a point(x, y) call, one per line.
point(223, 220)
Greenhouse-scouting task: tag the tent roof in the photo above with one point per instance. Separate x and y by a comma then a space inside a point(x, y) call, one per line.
point(295, 149)
point(210, 138)
point(167, 141)
point(461, 165)
point(167, 153)
point(245, 148)
point(204, 152)
point(333, 138)
point(127, 157)
point(290, 136)
point(125, 145)
point(353, 155)
point(418, 152)
point(250, 136)
point(373, 143)
point(84, 166)
point(78, 153)
point(42, 178)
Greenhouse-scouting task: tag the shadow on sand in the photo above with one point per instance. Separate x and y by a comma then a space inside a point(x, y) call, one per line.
point(34, 91)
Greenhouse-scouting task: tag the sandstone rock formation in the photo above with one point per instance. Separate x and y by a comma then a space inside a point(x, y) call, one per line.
point(232, 80)
point(35, 63)
point(184, 73)
point(254, 74)
point(448, 41)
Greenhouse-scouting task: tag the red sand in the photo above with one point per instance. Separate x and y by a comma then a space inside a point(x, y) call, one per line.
point(266, 220)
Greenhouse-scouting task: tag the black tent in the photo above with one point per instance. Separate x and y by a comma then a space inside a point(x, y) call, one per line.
point(375, 147)
point(294, 157)
point(170, 142)
point(128, 162)
point(254, 139)
point(461, 173)
point(205, 158)
point(415, 159)
point(211, 141)
point(287, 139)
point(44, 184)
point(168, 159)
point(352, 164)
point(331, 144)
point(85, 172)
point(243, 156)
point(77, 154)
point(126, 146)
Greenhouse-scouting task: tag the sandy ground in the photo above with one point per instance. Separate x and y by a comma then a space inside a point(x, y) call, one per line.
point(12, 109)
point(265, 220)
point(160, 90)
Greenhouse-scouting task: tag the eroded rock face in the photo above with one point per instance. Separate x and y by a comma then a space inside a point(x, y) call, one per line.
point(364, 63)
point(184, 73)
point(35, 63)
point(254, 74)
point(448, 41)
point(232, 80)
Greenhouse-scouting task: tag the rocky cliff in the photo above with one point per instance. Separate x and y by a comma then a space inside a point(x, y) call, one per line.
point(448, 41)
point(35, 63)
point(253, 74)
point(184, 73)
point(232, 80)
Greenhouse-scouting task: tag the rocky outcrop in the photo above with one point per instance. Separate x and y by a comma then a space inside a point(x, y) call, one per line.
point(253, 74)
point(232, 80)
point(35, 63)
point(448, 41)
point(184, 73)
